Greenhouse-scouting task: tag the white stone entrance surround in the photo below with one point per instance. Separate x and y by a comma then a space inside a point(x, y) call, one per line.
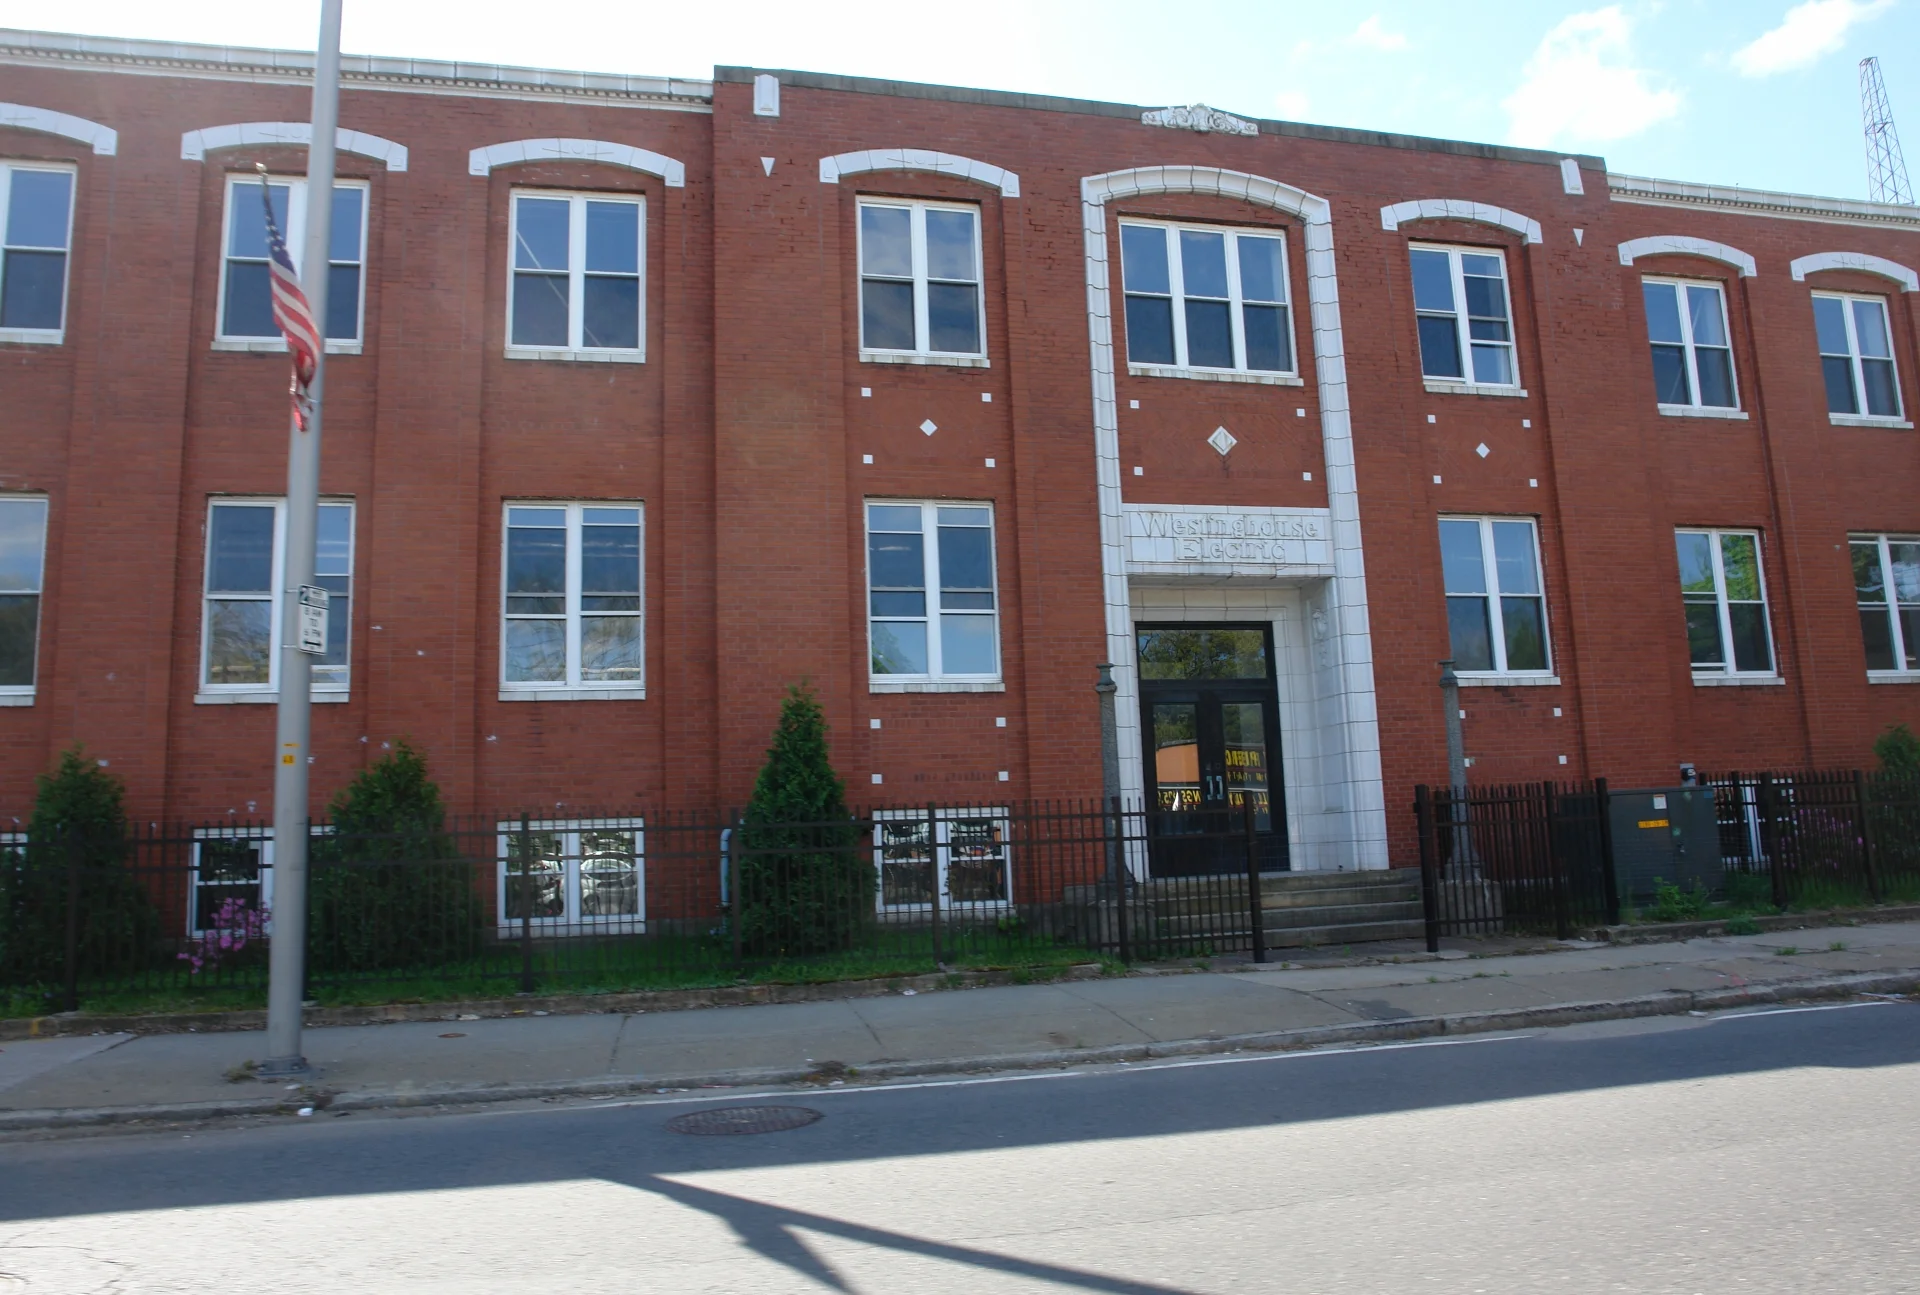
point(1342, 736)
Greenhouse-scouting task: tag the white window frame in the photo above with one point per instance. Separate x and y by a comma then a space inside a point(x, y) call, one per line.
point(943, 849)
point(1857, 361)
point(572, 687)
point(922, 331)
point(262, 836)
point(577, 200)
point(23, 694)
point(1462, 323)
point(1883, 543)
point(1176, 282)
point(571, 921)
point(1496, 617)
point(1691, 349)
point(40, 336)
point(323, 690)
point(246, 188)
point(930, 552)
point(1728, 668)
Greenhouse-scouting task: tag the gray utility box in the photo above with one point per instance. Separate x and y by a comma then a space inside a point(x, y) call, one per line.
point(1669, 833)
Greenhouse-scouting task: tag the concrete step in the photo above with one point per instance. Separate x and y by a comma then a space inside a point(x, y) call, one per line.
point(1235, 899)
point(1300, 937)
point(1324, 895)
point(1294, 919)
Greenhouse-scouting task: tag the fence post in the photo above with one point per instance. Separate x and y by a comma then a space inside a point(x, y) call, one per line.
point(1116, 851)
point(526, 905)
point(735, 901)
point(1770, 841)
point(1865, 805)
point(933, 864)
point(71, 992)
point(1603, 806)
point(1429, 865)
point(1562, 879)
point(1256, 918)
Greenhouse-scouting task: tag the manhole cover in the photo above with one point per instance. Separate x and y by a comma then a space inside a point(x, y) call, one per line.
point(743, 1119)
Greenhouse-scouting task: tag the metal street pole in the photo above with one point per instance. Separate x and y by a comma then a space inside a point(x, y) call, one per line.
point(287, 968)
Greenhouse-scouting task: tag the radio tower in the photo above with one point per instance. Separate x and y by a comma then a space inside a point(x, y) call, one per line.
point(1886, 165)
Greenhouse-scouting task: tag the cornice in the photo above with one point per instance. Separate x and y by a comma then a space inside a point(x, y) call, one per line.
point(1760, 202)
point(357, 71)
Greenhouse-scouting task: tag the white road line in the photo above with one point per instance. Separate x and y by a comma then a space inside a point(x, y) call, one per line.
point(1789, 1011)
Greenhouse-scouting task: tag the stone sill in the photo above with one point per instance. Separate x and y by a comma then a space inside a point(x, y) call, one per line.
point(277, 346)
point(1702, 411)
point(263, 698)
point(912, 357)
point(1738, 681)
point(575, 357)
point(1873, 676)
point(16, 699)
point(1441, 387)
point(34, 336)
point(573, 694)
point(1509, 680)
point(923, 685)
point(1214, 375)
point(1868, 420)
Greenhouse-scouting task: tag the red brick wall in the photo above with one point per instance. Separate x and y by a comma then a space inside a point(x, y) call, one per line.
point(745, 430)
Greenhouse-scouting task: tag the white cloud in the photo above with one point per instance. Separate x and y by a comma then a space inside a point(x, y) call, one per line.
point(1580, 86)
point(1291, 105)
point(1372, 34)
point(1809, 32)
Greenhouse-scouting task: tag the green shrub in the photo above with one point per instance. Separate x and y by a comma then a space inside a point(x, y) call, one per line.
point(389, 888)
point(805, 885)
point(1898, 751)
point(77, 849)
point(1750, 892)
point(1742, 925)
point(1672, 904)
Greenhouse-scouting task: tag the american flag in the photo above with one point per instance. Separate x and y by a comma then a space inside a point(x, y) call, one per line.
point(291, 312)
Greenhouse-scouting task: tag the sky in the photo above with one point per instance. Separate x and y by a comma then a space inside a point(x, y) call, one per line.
point(1763, 93)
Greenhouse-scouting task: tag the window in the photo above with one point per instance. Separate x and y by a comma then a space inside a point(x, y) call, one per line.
point(1886, 583)
point(572, 617)
point(955, 856)
point(576, 274)
point(37, 202)
point(1726, 602)
point(931, 606)
point(1692, 358)
point(1200, 297)
point(246, 545)
point(232, 878)
point(583, 874)
point(920, 279)
point(23, 546)
point(1496, 614)
point(246, 299)
point(1856, 355)
point(1461, 309)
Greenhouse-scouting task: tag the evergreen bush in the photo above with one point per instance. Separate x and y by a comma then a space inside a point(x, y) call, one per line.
point(388, 886)
point(1898, 751)
point(77, 850)
point(806, 886)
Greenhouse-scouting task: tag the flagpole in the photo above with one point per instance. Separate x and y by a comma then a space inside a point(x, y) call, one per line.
point(288, 948)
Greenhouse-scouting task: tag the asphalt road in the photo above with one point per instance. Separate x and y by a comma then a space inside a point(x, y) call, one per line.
point(1776, 1151)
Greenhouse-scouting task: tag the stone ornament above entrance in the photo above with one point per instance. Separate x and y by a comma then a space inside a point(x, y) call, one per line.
point(1191, 542)
point(1199, 118)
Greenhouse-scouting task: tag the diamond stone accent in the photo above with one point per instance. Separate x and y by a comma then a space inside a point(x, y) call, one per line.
point(928, 427)
point(1222, 440)
point(1482, 450)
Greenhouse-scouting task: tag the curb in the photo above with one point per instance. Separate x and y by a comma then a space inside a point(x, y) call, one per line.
point(1674, 1002)
point(68, 1024)
point(1671, 932)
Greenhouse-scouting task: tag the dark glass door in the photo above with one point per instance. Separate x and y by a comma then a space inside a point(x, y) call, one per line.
point(1212, 746)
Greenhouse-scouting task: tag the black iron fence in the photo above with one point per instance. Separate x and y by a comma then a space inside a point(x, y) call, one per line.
point(612, 901)
point(1553, 858)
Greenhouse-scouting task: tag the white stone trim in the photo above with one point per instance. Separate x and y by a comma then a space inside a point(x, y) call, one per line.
point(1864, 262)
point(105, 140)
point(1759, 202)
point(1738, 681)
point(573, 694)
point(1443, 387)
point(196, 144)
point(919, 159)
point(1570, 176)
point(766, 95)
point(1681, 245)
point(1349, 721)
point(481, 161)
point(1868, 420)
point(1479, 213)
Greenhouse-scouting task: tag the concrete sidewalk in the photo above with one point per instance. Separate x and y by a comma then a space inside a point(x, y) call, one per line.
point(109, 1077)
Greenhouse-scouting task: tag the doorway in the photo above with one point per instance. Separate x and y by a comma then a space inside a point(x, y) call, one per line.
point(1209, 722)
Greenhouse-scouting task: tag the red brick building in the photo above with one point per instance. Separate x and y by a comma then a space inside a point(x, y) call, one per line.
point(649, 398)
